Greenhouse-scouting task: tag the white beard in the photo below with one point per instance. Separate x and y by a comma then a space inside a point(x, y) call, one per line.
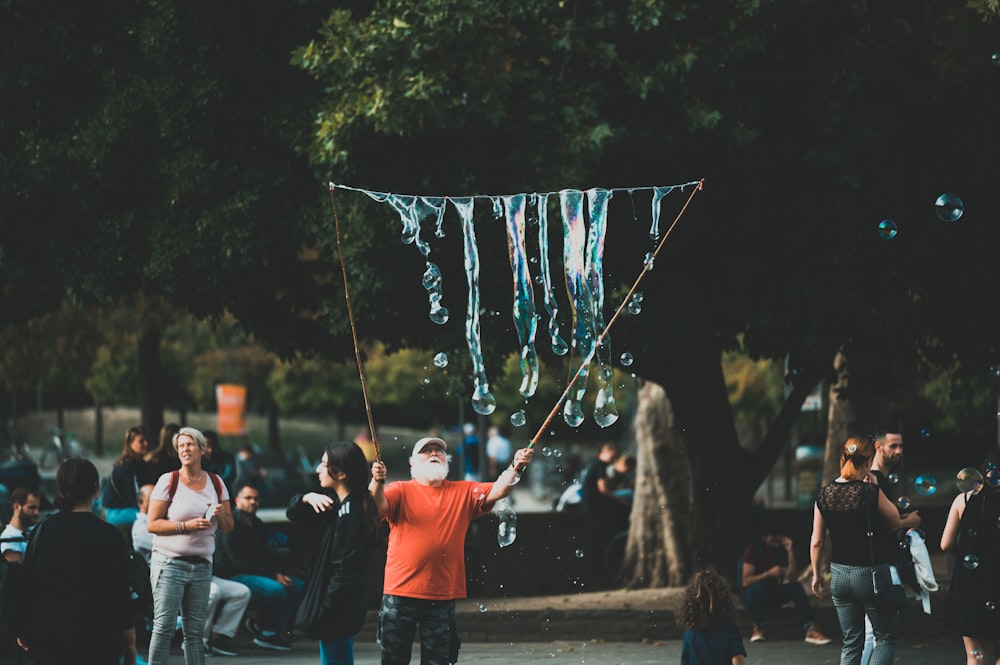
point(428, 470)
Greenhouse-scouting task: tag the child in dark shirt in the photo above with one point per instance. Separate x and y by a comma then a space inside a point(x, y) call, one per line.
point(706, 611)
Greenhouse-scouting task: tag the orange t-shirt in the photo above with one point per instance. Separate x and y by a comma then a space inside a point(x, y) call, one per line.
point(426, 556)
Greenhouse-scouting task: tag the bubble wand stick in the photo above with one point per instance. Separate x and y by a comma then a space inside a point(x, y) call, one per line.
point(354, 331)
point(590, 355)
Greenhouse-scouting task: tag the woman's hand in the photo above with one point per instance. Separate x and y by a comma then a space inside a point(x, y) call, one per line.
point(319, 502)
point(23, 643)
point(817, 587)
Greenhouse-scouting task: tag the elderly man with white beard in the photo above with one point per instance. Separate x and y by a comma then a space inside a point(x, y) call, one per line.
point(425, 564)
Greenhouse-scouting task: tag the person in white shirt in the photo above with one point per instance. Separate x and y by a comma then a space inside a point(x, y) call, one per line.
point(26, 505)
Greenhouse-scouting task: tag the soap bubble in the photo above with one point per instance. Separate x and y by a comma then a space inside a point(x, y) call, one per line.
point(482, 607)
point(638, 296)
point(887, 229)
point(995, 369)
point(968, 479)
point(546, 452)
point(903, 502)
point(973, 533)
point(441, 359)
point(970, 561)
point(634, 308)
point(995, 59)
point(990, 606)
point(893, 478)
point(439, 315)
point(949, 207)
point(573, 413)
point(579, 554)
point(647, 262)
point(925, 485)
point(993, 478)
point(556, 452)
point(626, 359)
point(517, 418)
point(432, 277)
point(483, 401)
point(925, 433)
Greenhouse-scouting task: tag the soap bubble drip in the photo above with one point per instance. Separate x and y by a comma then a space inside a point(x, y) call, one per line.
point(432, 283)
point(654, 228)
point(572, 413)
point(581, 299)
point(441, 359)
point(605, 410)
point(949, 207)
point(559, 346)
point(507, 529)
point(483, 401)
point(524, 300)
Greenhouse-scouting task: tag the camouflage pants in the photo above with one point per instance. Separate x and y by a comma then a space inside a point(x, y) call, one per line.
point(397, 625)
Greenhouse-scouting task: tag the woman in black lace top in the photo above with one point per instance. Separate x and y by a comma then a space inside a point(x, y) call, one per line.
point(846, 507)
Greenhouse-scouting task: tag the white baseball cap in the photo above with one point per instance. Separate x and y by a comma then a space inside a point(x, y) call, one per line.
point(427, 440)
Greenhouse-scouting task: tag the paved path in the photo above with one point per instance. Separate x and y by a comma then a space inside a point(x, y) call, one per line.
point(932, 652)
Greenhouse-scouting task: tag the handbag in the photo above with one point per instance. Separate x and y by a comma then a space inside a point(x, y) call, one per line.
point(889, 596)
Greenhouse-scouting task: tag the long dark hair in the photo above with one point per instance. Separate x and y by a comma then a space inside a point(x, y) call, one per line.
point(78, 481)
point(128, 455)
point(350, 459)
point(165, 450)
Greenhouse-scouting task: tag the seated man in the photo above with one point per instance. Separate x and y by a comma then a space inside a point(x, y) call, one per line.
point(770, 580)
point(227, 601)
point(26, 505)
point(242, 556)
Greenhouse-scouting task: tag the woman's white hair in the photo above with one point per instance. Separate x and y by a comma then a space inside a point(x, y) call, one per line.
point(195, 434)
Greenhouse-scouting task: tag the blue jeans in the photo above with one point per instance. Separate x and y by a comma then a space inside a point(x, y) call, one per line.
point(336, 652)
point(178, 586)
point(275, 604)
point(854, 599)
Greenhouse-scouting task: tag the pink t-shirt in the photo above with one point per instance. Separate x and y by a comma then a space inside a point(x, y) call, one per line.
point(426, 557)
point(187, 505)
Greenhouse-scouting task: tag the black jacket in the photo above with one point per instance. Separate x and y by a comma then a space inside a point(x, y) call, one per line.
point(333, 602)
point(243, 551)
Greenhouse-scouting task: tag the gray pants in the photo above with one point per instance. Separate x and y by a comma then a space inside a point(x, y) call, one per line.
point(854, 598)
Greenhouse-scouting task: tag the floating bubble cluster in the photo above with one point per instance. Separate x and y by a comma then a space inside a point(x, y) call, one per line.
point(887, 229)
point(949, 207)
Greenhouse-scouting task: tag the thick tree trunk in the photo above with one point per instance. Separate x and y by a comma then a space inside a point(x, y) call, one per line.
point(686, 438)
point(150, 381)
point(273, 430)
point(657, 553)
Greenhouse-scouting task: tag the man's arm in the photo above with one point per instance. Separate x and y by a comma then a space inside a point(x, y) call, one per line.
point(504, 484)
point(377, 487)
point(792, 572)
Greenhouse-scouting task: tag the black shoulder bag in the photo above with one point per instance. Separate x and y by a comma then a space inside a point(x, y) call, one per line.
point(889, 597)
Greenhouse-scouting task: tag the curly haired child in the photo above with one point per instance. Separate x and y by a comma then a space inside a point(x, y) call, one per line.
point(706, 611)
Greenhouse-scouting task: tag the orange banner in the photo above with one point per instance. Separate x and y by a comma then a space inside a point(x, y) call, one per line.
point(232, 401)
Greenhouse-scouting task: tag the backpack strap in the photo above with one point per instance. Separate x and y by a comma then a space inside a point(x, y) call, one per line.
point(175, 477)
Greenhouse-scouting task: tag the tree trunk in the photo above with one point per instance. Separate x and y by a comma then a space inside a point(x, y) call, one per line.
point(98, 429)
point(657, 553)
point(840, 419)
point(150, 380)
point(690, 438)
point(273, 429)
